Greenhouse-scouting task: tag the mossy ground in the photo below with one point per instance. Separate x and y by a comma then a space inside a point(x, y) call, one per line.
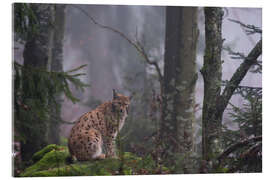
point(51, 161)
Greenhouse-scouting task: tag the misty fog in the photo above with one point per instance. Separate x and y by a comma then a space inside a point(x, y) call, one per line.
point(111, 58)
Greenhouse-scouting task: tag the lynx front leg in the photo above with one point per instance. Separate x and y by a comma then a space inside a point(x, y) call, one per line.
point(110, 147)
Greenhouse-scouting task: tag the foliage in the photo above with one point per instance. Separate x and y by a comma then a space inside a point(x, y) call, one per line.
point(38, 92)
point(249, 117)
point(25, 21)
point(52, 162)
point(33, 88)
point(247, 157)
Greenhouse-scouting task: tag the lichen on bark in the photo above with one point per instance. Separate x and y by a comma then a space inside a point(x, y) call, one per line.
point(212, 74)
point(179, 81)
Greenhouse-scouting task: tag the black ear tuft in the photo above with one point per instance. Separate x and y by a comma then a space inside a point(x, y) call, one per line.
point(115, 96)
point(132, 95)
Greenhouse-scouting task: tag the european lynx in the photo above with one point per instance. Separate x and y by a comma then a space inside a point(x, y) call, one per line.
point(99, 127)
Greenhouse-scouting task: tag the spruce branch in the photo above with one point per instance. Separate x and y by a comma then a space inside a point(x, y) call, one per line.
point(56, 81)
point(76, 69)
point(238, 145)
point(256, 149)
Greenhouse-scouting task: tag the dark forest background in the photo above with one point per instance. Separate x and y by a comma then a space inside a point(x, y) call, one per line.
point(195, 74)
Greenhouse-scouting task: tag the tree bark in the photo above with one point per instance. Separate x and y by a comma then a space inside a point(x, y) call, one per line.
point(35, 55)
point(179, 79)
point(212, 73)
point(215, 102)
point(57, 66)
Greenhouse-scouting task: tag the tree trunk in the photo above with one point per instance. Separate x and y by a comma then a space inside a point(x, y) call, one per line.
point(179, 79)
point(35, 55)
point(56, 65)
point(212, 73)
point(215, 102)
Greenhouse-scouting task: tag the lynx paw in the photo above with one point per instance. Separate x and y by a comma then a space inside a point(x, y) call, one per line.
point(101, 156)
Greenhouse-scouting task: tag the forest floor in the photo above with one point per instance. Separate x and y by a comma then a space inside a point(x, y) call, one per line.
point(52, 161)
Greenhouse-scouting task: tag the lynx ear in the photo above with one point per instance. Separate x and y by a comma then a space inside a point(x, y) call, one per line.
point(115, 96)
point(132, 95)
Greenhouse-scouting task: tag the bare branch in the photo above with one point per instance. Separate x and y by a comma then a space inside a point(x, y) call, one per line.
point(137, 45)
point(237, 145)
point(239, 74)
point(249, 29)
point(256, 68)
point(234, 55)
point(240, 88)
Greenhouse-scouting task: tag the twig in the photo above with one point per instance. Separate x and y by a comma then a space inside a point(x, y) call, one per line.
point(249, 87)
point(67, 73)
point(136, 44)
point(249, 29)
point(226, 83)
point(234, 55)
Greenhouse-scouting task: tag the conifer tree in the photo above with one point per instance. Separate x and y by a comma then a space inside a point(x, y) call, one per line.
point(35, 85)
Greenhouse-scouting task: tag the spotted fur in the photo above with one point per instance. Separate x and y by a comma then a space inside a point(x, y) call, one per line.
point(97, 129)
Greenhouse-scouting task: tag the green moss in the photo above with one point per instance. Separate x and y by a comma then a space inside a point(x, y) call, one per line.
point(52, 162)
point(38, 155)
point(69, 170)
point(56, 157)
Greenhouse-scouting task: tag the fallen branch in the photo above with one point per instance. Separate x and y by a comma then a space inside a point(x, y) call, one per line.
point(237, 145)
point(246, 155)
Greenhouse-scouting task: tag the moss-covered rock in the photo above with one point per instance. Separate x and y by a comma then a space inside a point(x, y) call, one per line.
point(38, 155)
point(49, 157)
point(52, 162)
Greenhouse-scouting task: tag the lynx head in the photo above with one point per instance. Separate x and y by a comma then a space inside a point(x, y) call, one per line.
point(120, 103)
